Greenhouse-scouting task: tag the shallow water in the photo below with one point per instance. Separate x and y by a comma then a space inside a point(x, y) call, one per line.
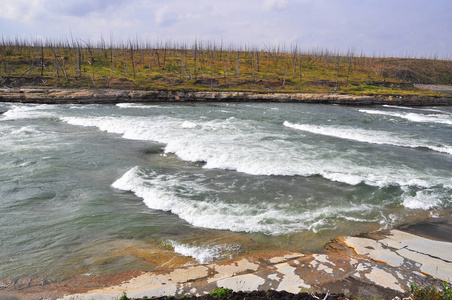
point(101, 188)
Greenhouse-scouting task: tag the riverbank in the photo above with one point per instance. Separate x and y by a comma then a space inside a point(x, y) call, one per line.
point(380, 264)
point(111, 96)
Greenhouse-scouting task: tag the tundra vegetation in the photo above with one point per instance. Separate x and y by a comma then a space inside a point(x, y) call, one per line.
point(209, 66)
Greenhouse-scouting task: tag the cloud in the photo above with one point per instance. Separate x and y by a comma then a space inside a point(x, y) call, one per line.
point(270, 5)
point(19, 9)
point(369, 25)
point(34, 10)
point(82, 8)
point(165, 16)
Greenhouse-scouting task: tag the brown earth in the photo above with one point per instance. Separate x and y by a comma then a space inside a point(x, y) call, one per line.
point(262, 295)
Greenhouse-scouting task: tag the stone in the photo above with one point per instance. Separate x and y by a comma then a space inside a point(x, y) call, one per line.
point(125, 94)
point(290, 271)
point(37, 281)
point(6, 283)
point(22, 283)
point(402, 249)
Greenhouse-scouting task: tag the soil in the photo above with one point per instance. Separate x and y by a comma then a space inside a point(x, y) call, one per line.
point(261, 295)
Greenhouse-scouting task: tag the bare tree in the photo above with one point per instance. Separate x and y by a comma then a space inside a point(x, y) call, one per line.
point(132, 58)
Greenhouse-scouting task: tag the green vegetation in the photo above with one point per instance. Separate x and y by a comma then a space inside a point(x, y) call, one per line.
point(219, 293)
point(211, 67)
point(431, 292)
point(124, 296)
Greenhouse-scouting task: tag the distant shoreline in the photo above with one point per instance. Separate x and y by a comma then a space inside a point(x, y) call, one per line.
point(40, 95)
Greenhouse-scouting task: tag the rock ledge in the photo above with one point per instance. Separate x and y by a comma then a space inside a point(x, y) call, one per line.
point(110, 96)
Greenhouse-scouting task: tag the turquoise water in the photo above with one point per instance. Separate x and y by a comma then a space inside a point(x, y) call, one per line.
point(95, 189)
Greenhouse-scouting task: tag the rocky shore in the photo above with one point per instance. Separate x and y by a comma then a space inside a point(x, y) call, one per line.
point(110, 96)
point(381, 264)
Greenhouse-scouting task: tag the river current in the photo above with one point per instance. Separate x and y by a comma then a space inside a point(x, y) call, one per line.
point(95, 189)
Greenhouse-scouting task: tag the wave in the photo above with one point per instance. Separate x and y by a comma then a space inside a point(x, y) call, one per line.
point(190, 198)
point(158, 193)
point(24, 135)
point(205, 254)
point(425, 199)
point(28, 112)
point(234, 144)
point(396, 106)
point(419, 109)
point(201, 207)
point(369, 136)
point(136, 105)
point(14, 139)
point(413, 117)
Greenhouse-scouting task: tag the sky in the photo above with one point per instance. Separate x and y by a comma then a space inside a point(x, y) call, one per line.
point(420, 28)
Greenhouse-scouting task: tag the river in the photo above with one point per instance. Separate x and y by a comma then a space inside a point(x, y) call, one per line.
point(96, 189)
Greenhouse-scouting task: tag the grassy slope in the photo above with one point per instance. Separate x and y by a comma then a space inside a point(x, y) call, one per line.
point(209, 69)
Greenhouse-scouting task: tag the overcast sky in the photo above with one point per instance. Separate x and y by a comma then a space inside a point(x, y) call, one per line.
point(383, 27)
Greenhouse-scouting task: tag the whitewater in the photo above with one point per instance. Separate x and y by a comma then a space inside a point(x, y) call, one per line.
point(209, 181)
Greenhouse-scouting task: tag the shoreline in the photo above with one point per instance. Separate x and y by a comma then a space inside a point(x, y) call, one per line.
point(42, 95)
point(377, 264)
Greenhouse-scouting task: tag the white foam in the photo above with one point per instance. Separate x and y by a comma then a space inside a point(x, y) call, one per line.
point(423, 199)
point(18, 132)
point(419, 109)
point(188, 124)
point(396, 106)
point(136, 105)
point(26, 131)
point(199, 206)
point(414, 117)
point(158, 193)
point(28, 112)
point(370, 136)
point(388, 221)
point(25, 138)
point(204, 254)
point(236, 145)
point(126, 105)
